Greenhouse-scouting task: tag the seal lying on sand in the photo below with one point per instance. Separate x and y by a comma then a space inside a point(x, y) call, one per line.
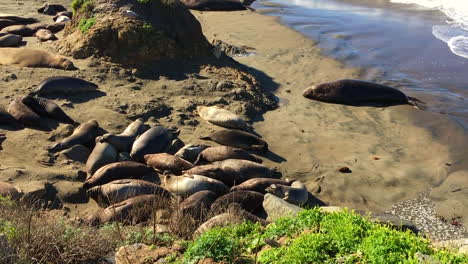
point(23, 113)
point(24, 30)
point(237, 139)
point(295, 194)
point(6, 118)
point(258, 185)
point(8, 190)
point(121, 190)
point(155, 140)
point(44, 35)
point(215, 172)
point(83, 135)
point(187, 185)
point(247, 169)
point(166, 162)
point(248, 201)
point(102, 154)
point(24, 57)
point(10, 40)
point(132, 211)
point(221, 117)
point(119, 171)
point(64, 85)
point(123, 142)
point(51, 9)
point(19, 20)
point(357, 92)
point(190, 152)
point(220, 153)
point(6, 23)
point(214, 5)
point(47, 108)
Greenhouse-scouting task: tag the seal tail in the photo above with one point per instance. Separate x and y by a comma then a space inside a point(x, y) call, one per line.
point(417, 103)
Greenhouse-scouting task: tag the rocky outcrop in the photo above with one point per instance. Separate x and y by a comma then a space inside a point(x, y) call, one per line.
point(133, 32)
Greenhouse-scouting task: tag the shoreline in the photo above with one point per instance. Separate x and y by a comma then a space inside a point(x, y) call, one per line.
point(317, 138)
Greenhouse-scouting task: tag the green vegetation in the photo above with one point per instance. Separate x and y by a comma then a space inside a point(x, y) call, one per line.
point(86, 23)
point(82, 5)
point(315, 237)
point(144, 1)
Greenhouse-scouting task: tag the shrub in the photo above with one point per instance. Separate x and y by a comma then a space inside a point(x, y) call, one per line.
point(82, 5)
point(86, 23)
point(289, 226)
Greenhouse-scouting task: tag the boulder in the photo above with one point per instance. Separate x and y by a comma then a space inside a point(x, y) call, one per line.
point(78, 153)
point(141, 253)
point(276, 207)
point(133, 32)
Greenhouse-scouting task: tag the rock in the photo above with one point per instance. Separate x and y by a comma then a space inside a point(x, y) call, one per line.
point(207, 261)
point(61, 132)
point(7, 253)
point(71, 192)
point(276, 207)
point(459, 244)
point(42, 197)
point(78, 153)
point(162, 30)
point(394, 222)
point(425, 259)
point(141, 253)
point(331, 209)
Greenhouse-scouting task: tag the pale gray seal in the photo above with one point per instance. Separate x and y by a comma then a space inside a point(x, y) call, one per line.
point(357, 92)
point(221, 117)
point(187, 185)
point(190, 152)
point(119, 171)
point(246, 170)
point(102, 154)
point(163, 162)
point(121, 190)
point(296, 193)
point(237, 139)
point(220, 153)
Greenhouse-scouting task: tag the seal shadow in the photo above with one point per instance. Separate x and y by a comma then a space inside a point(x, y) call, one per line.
point(270, 155)
point(77, 98)
point(11, 127)
point(314, 202)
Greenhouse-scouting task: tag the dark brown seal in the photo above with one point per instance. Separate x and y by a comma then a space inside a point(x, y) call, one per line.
point(258, 185)
point(102, 154)
point(19, 20)
point(163, 162)
point(237, 139)
point(220, 153)
point(214, 5)
point(64, 85)
point(10, 40)
point(215, 172)
point(248, 201)
point(83, 135)
point(6, 23)
point(155, 140)
point(121, 190)
point(6, 118)
point(357, 92)
point(131, 211)
point(24, 114)
point(51, 9)
point(47, 108)
point(118, 171)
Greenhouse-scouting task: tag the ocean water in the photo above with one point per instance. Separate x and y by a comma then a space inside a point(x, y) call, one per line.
point(418, 46)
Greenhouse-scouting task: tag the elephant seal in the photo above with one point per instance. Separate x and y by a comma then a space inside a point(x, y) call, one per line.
point(24, 114)
point(47, 108)
point(246, 170)
point(68, 14)
point(56, 27)
point(119, 171)
point(155, 140)
point(237, 139)
point(8, 190)
point(214, 5)
point(6, 118)
point(166, 162)
point(215, 172)
point(64, 85)
point(61, 19)
point(24, 57)
point(102, 154)
point(10, 40)
point(2, 139)
point(131, 211)
point(190, 152)
point(44, 35)
point(220, 153)
point(234, 215)
point(20, 30)
point(296, 193)
point(121, 190)
point(357, 92)
point(248, 201)
point(221, 117)
point(82, 135)
point(124, 141)
point(51, 9)
point(187, 185)
point(19, 20)
point(6, 23)
point(258, 185)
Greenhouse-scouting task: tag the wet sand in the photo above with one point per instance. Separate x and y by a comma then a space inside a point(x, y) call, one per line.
point(395, 153)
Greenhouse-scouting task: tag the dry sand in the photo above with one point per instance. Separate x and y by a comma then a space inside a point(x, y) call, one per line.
point(395, 153)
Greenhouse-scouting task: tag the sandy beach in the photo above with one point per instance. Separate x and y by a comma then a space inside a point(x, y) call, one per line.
point(395, 153)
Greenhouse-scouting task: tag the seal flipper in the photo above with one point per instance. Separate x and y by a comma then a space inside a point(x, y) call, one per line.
point(205, 138)
point(417, 103)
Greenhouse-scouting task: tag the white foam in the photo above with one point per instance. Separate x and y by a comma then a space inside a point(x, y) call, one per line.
point(447, 32)
point(459, 46)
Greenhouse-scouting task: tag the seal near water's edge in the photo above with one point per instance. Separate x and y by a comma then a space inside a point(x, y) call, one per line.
point(357, 92)
point(24, 57)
